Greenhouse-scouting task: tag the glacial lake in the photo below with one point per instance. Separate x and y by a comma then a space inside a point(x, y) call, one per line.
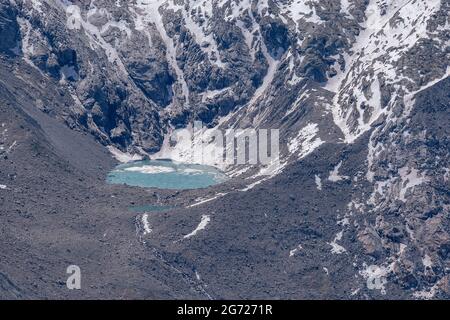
point(166, 174)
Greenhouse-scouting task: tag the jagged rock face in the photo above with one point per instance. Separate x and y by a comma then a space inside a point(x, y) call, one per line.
point(372, 73)
point(388, 92)
point(9, 29)
point(185, 60)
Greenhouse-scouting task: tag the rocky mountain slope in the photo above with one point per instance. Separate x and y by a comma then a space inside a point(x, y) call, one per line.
point(359, 90)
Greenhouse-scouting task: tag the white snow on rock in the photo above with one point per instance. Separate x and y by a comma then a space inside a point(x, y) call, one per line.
point(266, 173)
point(410, 97)
point(383, 40)
point(3, 187)
point(146, 224)
point(192, 146)
point(301, 11)
point(149, 13)
point(201, 201)
point(343, 222)
point(426, 261)
point(375, 276)
point(202, 225)
point(37, 5)
point(254, 43)
point(95, 33)
point(238, 171)
point(211, 94)
point(410, 178)
point(295, 250)
point(335, 247)
point(254, 184)
point(194, 14)
point(318, 182)
point(355, 292)
point(68, 72)
point(10, 148)
point(345, 6)
point(426, 294)
point(27, 47)
point(202, 33)
point(272, 169)
point(334, 174)
point(306, 141)
point(298, 102)
point(122, 156)
point(269, 77)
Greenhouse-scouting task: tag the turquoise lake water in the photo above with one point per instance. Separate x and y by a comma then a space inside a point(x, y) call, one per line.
point(164, 174)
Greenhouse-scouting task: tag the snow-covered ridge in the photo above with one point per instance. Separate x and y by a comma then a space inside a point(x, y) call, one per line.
point(387, 34)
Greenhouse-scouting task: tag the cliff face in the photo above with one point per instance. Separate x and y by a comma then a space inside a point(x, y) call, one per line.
point(359, 86)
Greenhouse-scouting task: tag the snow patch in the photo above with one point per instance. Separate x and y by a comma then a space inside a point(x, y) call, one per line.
point(355, 292)
point(202, 225)
point(426, 294)
point(146, 224)
point(122, 156)
point(193, 147)
point(318, 182)
point(300, 11)
point(27, 45)
point(95, 33)
point(335, 247)
point(305, 142)
point(295, 250)
point(376, 277)
point(410, 178)
point(202, 201)
point(36, 5)
point(426, 261)
point(68, 73)
point(335, 176)
point(212, 94)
